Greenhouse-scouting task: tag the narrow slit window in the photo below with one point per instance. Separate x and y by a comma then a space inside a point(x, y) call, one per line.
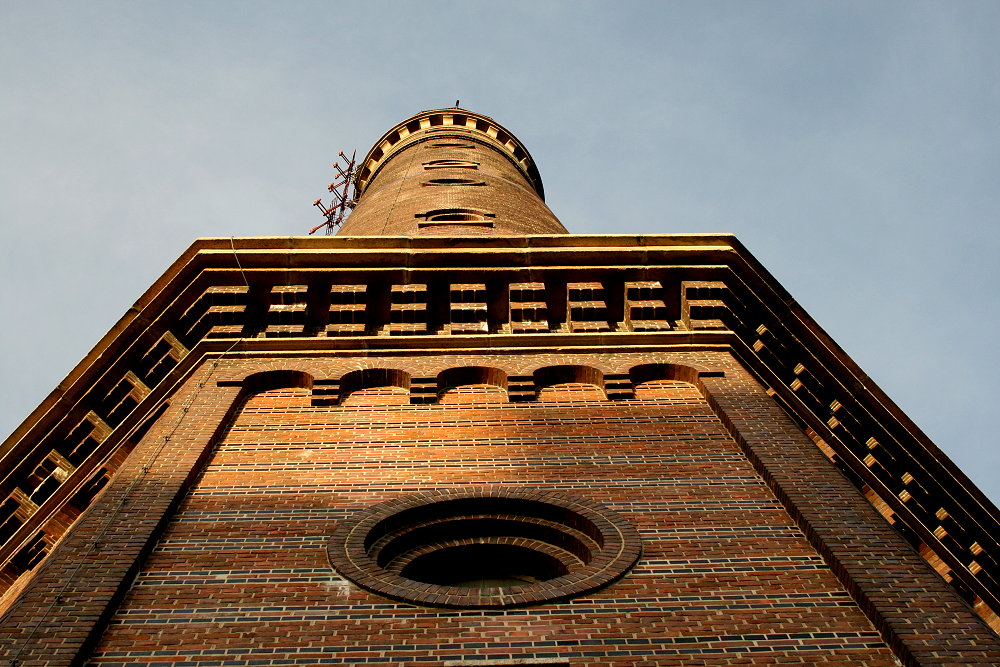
point(456, 215)
point(453, 181)
point(450, 164)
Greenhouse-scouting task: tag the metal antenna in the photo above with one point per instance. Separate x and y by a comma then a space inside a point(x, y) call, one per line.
point(337, 210)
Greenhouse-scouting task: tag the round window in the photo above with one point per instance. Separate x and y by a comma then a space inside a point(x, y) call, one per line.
point(484, 547)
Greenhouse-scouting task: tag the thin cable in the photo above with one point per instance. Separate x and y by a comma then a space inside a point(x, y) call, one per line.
point(95, 544)
point(232, 244)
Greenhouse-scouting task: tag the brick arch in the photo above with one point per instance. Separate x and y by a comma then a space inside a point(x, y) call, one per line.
point(257, 383)
point(664, 371)
point(368, 378)
point(550, 375)
point(464, 375)
point(239, 375)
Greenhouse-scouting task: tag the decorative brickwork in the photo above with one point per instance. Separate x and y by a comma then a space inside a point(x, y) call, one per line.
point(247, 549)
point(709, 537)
point(173, 499)
point(484, 547)
point(449, 172)
point(70, 454)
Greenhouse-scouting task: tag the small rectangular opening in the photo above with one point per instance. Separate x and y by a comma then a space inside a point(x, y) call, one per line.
point(460, 223)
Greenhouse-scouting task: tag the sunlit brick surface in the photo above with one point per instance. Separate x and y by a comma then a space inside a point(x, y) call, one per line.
point(241, 575)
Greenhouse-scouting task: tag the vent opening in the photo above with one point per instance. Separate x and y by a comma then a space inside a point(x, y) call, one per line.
point(456, 215)
point(489, 548)
point(453, 181)
point(450, 164)
point(484, 566)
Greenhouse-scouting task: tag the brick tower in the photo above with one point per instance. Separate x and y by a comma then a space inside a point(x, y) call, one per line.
point(454, 434)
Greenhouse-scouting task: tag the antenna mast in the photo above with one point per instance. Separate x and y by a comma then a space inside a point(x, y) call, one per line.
point(337, 210)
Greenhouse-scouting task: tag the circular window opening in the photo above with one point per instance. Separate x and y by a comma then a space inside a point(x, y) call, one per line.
point(484, 548)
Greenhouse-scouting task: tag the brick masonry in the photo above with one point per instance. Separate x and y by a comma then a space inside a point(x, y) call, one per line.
point(172, 501)
point(424, 294)
point(756, 548)
point(449, 172)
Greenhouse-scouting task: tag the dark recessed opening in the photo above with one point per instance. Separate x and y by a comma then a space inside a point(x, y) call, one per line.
point(484, 566)
point(456, 215)
point(493, 548)
point(451, 510)
point(453, 181)
point(450, 164)
point(397, 545)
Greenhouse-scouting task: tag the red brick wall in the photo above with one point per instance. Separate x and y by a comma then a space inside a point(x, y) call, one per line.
point(242, 573)
point(757, 550)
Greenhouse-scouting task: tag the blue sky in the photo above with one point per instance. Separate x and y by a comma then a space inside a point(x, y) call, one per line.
point(852, 146)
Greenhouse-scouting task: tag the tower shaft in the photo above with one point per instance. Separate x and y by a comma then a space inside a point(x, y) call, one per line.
point(449, 172)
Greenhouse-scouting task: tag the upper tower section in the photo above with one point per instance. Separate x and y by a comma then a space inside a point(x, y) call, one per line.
point(449, 172)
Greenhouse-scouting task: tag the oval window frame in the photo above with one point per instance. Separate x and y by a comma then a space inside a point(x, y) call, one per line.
point(351, 554)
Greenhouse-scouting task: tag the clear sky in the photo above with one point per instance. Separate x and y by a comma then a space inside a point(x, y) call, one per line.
point(854, 147)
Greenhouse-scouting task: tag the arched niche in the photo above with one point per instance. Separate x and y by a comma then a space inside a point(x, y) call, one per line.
point(279, 379)
point(366, 379)
point(466, 384)
point(576, 379)
point(655, 380)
